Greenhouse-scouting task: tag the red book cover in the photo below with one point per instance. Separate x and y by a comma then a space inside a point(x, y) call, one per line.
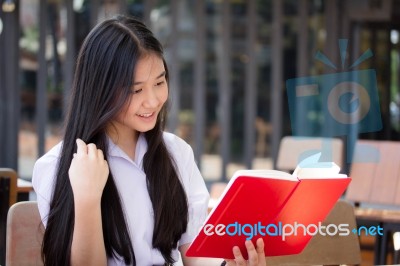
point(269, 204)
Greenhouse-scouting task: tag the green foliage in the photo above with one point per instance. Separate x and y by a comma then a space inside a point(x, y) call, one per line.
point(29, 40)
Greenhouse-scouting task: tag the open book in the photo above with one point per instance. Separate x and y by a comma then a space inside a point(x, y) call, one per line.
point(286, 210)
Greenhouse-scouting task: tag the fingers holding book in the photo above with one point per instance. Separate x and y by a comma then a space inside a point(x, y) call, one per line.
point(256, 255)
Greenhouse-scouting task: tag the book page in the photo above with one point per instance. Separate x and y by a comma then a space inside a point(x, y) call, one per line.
point(273, 174)
point(312, 168)
point(264, 174)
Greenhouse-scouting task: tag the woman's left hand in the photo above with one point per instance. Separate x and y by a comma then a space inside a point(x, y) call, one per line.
point(256, 255)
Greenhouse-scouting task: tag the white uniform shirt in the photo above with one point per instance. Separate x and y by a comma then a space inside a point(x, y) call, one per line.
point(131, 183)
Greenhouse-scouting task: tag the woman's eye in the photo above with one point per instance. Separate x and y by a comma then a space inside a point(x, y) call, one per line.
point(136, 91)
point(159, 83)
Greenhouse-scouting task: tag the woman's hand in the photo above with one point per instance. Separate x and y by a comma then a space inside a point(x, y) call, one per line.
point(88, 173)
point(256, 255)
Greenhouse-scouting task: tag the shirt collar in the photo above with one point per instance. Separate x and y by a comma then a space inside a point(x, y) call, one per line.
point(140, 150)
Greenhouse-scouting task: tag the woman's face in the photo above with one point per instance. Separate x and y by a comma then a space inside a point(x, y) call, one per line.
point(149, 93)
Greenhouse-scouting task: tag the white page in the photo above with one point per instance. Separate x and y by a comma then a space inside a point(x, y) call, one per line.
point(312, 168)
point(274, 174)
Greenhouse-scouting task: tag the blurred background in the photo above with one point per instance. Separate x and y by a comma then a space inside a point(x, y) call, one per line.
point(228, 61)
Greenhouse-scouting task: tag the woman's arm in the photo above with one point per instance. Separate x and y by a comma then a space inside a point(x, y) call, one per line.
point(88, 174)
point(256, 256)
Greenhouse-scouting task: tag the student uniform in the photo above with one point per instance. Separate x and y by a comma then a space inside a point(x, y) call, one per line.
point(130, 180)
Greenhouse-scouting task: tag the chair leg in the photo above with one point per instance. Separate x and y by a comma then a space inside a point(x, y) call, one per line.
point(4, 206)
point(381, 246)
point(396, 248)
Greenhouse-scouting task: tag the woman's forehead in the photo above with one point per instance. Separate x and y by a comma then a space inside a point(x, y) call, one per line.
point(148, 67)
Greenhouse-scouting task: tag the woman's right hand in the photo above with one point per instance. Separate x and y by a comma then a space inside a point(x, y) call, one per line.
point(88, 173)
point(256, 255)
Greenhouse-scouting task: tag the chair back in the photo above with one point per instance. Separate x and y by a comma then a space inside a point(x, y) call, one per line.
point(13, 177)
point(24, 235)
point(375, 173)
point(293, 149)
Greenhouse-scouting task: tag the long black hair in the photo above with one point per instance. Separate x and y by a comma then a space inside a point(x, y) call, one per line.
point(101, 87)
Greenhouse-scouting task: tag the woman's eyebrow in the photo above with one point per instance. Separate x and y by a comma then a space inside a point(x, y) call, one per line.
point(159, 76)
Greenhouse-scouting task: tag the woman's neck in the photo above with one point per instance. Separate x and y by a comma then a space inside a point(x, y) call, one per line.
point(126, 140)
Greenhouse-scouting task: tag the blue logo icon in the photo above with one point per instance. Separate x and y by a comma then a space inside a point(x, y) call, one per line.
point(339, 104)
point(349, 102)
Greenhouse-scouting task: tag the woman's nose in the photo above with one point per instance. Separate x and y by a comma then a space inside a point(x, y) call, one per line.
point(151, 99)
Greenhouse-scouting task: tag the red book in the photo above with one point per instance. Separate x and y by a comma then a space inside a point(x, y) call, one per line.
point(285, 210)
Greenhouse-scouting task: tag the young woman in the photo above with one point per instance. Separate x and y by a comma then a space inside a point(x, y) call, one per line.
point(118, 190)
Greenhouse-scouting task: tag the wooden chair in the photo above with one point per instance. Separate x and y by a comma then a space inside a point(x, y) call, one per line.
point(376, 181)
point(8, 190)
point(328, 250)
point(375, 188)
point(292, 149)
point(13, 177)
point(24, 235)
point(19, 188)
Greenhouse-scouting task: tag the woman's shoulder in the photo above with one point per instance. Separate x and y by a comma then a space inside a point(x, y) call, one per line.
point(51, 155)
point(45, 167)
point(180, 150)
point(183, 156)
point(44, 172)
point(176, 144)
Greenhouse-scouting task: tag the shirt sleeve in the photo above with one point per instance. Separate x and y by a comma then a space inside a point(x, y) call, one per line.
point(43, 178)
point(197, 195)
